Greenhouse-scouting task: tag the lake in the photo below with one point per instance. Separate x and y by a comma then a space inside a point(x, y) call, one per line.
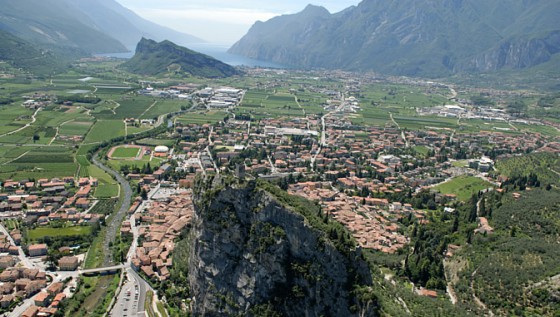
point(218, 51)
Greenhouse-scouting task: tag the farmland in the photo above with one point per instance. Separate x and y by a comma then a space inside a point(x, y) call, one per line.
point(107, 187)
point(31, 162)
point(202, 117)
point(105, 130)
point(263, 104)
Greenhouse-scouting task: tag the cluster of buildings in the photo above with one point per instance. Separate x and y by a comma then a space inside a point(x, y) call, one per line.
point(160, 222)
point(220, 98)
point(46, 200)
point(47, 302)
point(372, 221)
point(18, 282)
point(470, 112)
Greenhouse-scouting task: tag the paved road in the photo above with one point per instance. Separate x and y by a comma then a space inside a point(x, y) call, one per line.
point(22, 257)
point(115, 220)
point(130, 301)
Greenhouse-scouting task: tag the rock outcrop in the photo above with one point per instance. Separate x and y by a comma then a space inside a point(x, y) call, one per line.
point(154, 58)
point(253, 256)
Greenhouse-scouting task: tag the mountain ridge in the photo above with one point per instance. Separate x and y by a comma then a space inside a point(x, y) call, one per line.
point(426, 38)
point(94, 27)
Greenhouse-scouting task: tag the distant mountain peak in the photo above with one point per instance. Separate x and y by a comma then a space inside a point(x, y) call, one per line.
point(153, 58)
point(411, 37)
point(315, 9)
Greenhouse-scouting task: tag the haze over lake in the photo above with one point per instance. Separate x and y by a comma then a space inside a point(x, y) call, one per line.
point(218, 51)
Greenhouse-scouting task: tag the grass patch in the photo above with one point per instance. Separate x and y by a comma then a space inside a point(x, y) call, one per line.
point(463, 186)
point(148, 304)
point(39, 233)
point(124, 152)
point(107, 187)
point(161, 309)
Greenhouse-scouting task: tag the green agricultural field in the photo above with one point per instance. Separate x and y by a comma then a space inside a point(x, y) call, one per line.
point(124, 152)
point(107, 187)
point(37, 162)
point(463, 186)
point(420, 123)
point(121, 109)
point(105, 130)
point(10, 153)
point(156, 142)
point(75, 128)
point(262, 104)
point(163, 107)
point(39, 233)
point(133, 130)
point(371, 116)
point(202, 117)
point(13, 117)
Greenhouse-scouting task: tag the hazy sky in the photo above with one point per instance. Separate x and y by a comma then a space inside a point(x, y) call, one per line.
point(220, 21)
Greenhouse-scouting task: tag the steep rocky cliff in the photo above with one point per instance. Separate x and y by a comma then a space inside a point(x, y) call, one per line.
point(254, 255)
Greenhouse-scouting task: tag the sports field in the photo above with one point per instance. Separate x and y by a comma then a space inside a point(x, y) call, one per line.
point(125, 152)
point(463, 186)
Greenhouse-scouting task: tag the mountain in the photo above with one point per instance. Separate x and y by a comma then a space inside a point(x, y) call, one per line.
point(101, 26)
point(126, 26)
point(411, 37)
point(56, 23)
point(154, 58)
point(21, 54)
point(255, 251)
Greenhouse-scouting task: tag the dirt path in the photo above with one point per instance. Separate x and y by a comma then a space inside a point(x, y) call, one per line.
point(402, 132)
point(17, 158)
point(33, 119)
point(150, 107)
point(477, 300)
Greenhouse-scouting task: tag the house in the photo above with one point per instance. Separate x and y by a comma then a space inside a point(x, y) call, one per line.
point(32, 311)
point(427, 292)
point(34, 287)
point(68, 263)
point(6, 301)
point(7, 261)
point(82, 203)
point(483, 226)
point(55, 288)
point(10, 275)
point(42, 299)
point(38, 250)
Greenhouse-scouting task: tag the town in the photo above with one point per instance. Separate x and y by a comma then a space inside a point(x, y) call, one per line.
point(334, 145)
